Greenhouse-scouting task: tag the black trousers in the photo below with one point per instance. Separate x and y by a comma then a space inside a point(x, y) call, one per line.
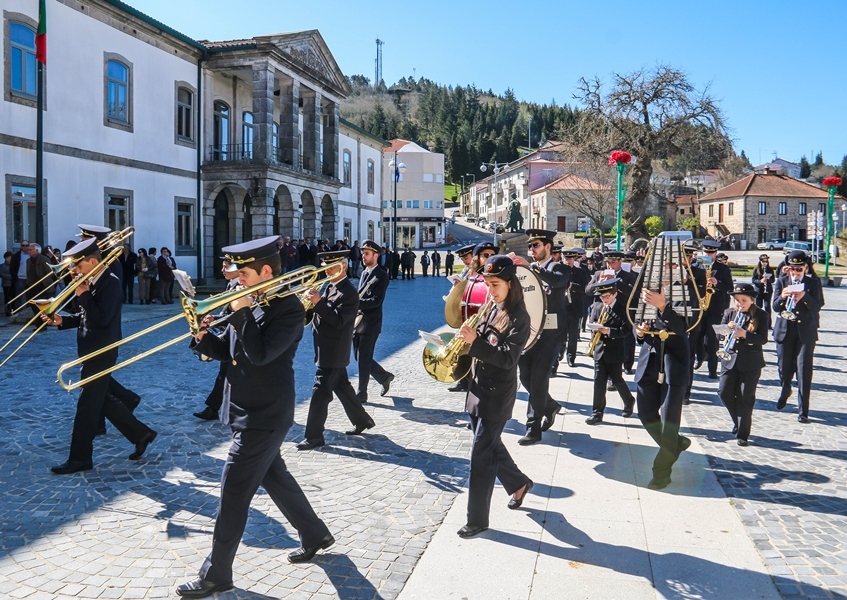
point(363, 351)
point(628, 352)
point(489, 461)
point(709, 348)
point(425, 270)
point(660, 410)
point(795, 357)
point(216, 396)
point(534, 369)
point(604, 371)
point(128, 284)
point(763, 301)
point(693, 338)
point(254, 460)
point(737, 390)
point(328, 381)
point(94, 402)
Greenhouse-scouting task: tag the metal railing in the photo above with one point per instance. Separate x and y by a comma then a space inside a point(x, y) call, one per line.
point(229, 152)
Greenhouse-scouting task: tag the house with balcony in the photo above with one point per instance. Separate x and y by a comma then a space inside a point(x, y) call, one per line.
point(419, 194)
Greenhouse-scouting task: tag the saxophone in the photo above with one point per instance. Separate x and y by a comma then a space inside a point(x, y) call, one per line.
point(710, 290)
point(604, 316)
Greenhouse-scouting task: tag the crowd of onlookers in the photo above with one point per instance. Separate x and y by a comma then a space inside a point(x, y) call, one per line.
point(30, 269)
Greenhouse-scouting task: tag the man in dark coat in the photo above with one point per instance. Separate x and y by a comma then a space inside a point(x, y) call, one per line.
point(334, 317)
point(576, 303)
point(373, 285)
point(129, 271)
point(721, 282)
point(39, 276)
point(308, 253)
point(259, 344)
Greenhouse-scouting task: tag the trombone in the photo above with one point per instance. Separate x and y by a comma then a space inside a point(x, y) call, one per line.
point(111, 241)
point(54, 305)
point(288, 284)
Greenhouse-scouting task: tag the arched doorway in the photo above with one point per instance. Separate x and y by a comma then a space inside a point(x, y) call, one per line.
point(247, 220)
point(328, 225)
point(220, 232)
point(310, 220)
point(284, 203)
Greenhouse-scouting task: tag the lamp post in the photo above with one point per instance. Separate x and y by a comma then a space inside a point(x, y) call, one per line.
point(619, 159)
point(473, 187)
point(832, 183)
point(397, 168)
point(498, 168)
point(835, 240)
point(843, 215)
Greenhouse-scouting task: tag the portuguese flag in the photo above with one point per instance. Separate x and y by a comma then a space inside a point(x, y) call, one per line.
point(41, 34)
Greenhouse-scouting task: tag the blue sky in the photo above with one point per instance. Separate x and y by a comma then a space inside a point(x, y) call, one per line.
point(773, 65)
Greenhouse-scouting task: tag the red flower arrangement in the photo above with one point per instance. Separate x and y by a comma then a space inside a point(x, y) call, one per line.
point(832, 182)
point(620, 157)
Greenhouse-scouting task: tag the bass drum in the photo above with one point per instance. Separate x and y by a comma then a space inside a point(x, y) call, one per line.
point(535, 301)
point(476, 292)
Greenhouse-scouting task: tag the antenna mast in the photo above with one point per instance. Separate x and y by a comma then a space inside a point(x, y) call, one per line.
point(378, 69)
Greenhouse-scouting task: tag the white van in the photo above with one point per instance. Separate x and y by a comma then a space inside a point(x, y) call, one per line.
point(682, 236)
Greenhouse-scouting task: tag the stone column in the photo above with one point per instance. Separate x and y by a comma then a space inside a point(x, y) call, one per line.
point(263, 111)
point(263, 209)
point(312, 131)
point(289, 122)
point(330, 141)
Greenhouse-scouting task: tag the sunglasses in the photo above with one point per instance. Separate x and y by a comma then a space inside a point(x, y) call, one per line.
point(796, 268)
point(24, 245)
point(535, 244)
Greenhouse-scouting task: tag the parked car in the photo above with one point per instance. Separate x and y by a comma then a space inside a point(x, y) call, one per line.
point(613, 245)
point(806, 247)
point(771, 245)
point(482, 222)
point(470, 218)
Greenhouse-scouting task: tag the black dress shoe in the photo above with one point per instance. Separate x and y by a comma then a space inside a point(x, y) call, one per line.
point(141, 445)
point(684, 444)
point(516, 502)
point(626, 413)
point(630, 371)
point(71, 466)
point(303, 554)
point(207, 414)
point(359, 429)
point(529, 439)
point(802, 419)
point(686, 401)
point(659, 483)
point(469, 531)
point(698, 363)
point(594, 419)
point(741, 442)
point(548, 420)
point(734, 429)
point(200, 588)
point(386, 385)
point(610, 387)
point(713, 375)
point(783, 401)
point(363, 398)
point(100, 431)
point(571, 362)
point(310, 444)
point(460, 386)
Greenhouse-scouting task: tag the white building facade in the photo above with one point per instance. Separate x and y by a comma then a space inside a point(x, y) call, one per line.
point(196, 144)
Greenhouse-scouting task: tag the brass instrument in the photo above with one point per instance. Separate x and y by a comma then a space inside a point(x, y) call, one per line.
point(304, 297)
point(106, 245)
point(604, 316)
point(450, 362)
point(453, 304)
point(728, 349)
point(788, 314)
point(288, 284)
point(710, 289)
point(51, 306)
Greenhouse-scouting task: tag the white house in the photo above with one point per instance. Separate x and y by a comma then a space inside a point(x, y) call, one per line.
point(361, 184)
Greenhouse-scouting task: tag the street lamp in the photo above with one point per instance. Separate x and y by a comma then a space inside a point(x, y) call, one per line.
point(397, 168)
point(834, 247)
point(843, 215)
point(473, 187)
point(498, 168)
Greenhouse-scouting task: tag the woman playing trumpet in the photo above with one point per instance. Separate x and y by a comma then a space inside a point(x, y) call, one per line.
point(496, 345)
point(740, 374)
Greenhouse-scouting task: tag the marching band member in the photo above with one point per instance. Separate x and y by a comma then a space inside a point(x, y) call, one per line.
point(465, 254)
point(335, 314)
point(373, 284)
point(740, 374)
point(495, 345)
point(576, 308)
point(689, 248)
point(535, 364)
point(661, 377)
point(721, 281)
point(259, 344)
point(796, 337)
point(98, 325)
point(626, 283)
point(609, 352)
point(763, 280)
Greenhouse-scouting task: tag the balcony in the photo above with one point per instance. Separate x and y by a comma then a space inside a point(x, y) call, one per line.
point(230, 152)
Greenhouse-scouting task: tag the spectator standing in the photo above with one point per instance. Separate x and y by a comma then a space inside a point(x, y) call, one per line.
point(436, 263)
point(6, 278)
point(425, 261)
point(38, 270)
point(308, 253)
point(289, 255)
point(395, 263)
point(18, 269)
point(355, 259)
point(166, 265)
point(154, 285)
point(128, 262)
point(145, 270)
point(448, 263)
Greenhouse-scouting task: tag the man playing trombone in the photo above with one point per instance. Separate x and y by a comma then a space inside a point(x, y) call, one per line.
point(373, 285)
point(259, 344)
point(98, 325)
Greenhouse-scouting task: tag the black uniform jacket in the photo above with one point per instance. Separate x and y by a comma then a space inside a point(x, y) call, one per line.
point(259, 347)
point(335, 315)
point(494, 385)
point(370, 303)
point(749, 350)
point(626, 283)
point(765, 289)
point(579, 279)
point(676, 350)
point(556, 278)
point(720, 299)
point(99, 323)
point(807, 310)
point(610, 348)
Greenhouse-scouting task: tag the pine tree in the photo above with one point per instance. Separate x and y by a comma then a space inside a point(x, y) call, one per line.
point(805, 168)
point(819, 159)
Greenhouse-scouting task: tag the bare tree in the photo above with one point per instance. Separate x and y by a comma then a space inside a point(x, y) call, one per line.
point(651, 114)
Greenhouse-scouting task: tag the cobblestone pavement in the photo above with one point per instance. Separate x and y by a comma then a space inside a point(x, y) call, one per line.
point(790, 485)
point(136, 530)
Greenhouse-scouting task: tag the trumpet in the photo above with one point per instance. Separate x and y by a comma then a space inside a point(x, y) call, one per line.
point(62, 268)
point(450, 362)
point(604, 316)
point(788, 314)
point(728, 349)
point(54, 305)
point(193, 311)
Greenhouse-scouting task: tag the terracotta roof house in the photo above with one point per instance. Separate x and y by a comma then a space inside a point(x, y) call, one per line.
point(762, 207)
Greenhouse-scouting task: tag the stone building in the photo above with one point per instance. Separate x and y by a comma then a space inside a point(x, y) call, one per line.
point(762, 207)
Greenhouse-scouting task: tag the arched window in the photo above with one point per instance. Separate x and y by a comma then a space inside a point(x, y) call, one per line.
point(220, 134)
point(117, 91)
point(247, 134)
point(184, 111)
point(23, 67)
point(346, 167)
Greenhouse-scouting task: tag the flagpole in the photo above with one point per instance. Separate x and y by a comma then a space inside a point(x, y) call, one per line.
point(39, 158)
